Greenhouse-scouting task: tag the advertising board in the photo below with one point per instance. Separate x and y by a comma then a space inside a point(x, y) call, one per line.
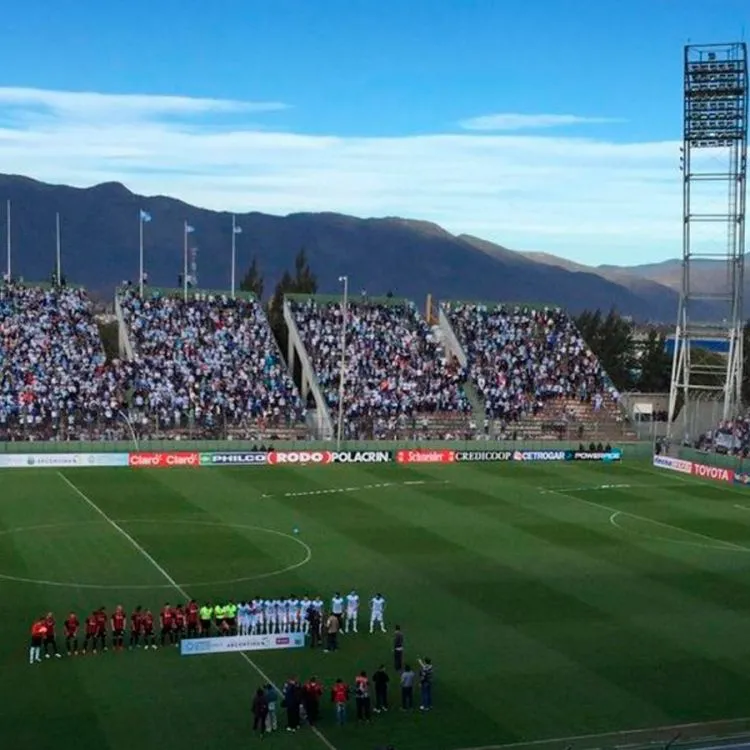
point(673, 464)
point(164, 460)
point(235, 458)
point(714, 473)
point(463, 456)
point(61, 460)
point(425, 456)
point(538, 455)
point(235, 643)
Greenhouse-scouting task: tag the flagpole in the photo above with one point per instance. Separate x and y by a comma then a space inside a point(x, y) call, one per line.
point(7, 239)
point(185, 265)
point(234, 253)
point(140, 251)
point(59, 253)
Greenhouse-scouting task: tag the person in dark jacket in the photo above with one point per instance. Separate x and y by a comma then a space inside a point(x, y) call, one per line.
point(292, 700)
point(380, 679)
point(313, 617)
point(398, 649)
point(260, 711)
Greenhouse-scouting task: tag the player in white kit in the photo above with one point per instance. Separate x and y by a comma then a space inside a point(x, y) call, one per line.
point(294, 613)
point(337, 608)
point(352, 611)
point(377, 613)
point(256, 616)
point(243, 618)
point(269, 616)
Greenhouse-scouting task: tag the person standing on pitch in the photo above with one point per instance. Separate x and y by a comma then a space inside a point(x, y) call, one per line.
point(340, 697)
point(260, 712)
point(272, 699)
point(352, 611)
point(407, 688)
point(362, 696)
point(425, 683)
point(337, 608)
point(398, 649)
point(380, 679)
point(292, 701)
point(377, 613)
point(332, 633)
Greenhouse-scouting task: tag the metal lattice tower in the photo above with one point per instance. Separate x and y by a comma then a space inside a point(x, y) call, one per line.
point(714, 162)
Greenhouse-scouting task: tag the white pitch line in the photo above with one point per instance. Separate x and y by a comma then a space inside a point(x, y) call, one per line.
point(652, 520)
point(176, 587)
point(340, 490)
point(723, 547)
point(621, 733)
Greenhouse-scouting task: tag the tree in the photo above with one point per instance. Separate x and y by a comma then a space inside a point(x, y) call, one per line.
point(253, 280)
point(655, 364)
point(611, 340)
point(305, 281)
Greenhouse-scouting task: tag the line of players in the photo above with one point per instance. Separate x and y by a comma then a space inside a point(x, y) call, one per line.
point(259, 616)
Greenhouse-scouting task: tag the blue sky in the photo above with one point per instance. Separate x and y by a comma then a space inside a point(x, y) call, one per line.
point(545, 126)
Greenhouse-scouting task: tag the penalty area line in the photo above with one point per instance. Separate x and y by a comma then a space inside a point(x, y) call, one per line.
point(624, 733)
point(176, 586)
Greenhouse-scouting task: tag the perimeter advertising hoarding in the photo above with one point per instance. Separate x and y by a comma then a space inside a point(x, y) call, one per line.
point(61, 460)
point(236, 643)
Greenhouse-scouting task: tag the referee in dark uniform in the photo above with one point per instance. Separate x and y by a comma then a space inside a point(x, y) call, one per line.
point(398, 649)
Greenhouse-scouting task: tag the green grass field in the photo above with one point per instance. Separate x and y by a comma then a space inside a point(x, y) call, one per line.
point(547, 614)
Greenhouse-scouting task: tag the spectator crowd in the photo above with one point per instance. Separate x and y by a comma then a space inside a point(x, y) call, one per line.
point(212, 360)
point(521, 357)
point(394, 366)
point(52, 366)
point(209, 363)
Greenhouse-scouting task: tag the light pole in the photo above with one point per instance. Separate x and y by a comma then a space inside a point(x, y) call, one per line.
point(342, 372)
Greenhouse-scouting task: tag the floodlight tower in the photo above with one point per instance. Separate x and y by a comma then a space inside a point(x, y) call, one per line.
point(713, 164)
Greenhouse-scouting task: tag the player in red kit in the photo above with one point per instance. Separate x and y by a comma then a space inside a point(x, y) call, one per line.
point(167, 624)
point(92, 627)
point(179, 623)
point(101, 627)
point(191, 617)
point(147, 628)
point(136, 627)
point(50, 640)
point(71, 626)
point(118, 628)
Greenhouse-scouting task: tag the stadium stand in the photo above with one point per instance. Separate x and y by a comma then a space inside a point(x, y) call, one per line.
point(399, 383)
point(53, 381)
point(207, 367)
point(538, 378)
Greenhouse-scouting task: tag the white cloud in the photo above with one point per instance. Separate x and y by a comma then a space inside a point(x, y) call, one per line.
point(511, 121)
point(88, 105)
point(588, 199)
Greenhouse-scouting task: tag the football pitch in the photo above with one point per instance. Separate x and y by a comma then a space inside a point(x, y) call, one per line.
point(558, 602)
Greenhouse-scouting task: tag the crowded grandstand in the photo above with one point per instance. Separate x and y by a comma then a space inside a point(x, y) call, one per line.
point(209, 366)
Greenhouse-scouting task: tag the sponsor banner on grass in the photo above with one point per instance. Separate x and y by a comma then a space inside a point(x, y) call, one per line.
point(715, 473)
point(539, 455)
point(234, 643)
point(61, 460)
point(292, 458)
point(613, 455)
point(236, 458)
point(742, 477)
point(425, 456)
point(462, 456)
point(673, 464)
point(163, 460)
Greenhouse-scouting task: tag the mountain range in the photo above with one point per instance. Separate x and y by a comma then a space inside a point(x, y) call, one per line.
point(100, 239)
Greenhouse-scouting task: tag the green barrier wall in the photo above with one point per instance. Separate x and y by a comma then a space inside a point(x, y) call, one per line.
point(630, 450)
